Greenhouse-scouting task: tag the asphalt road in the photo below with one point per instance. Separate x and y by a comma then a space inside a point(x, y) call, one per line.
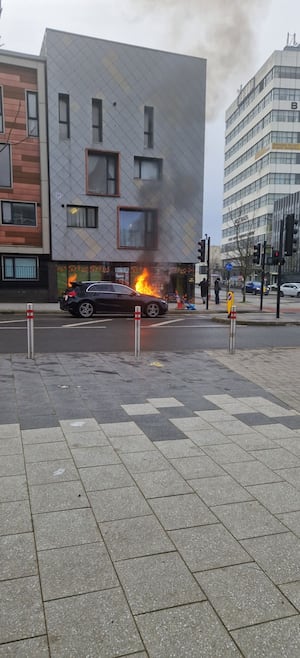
point(62, 333)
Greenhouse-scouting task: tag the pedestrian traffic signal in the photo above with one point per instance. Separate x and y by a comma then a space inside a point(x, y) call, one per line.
point(275, 257)
point(291, 235)
point(201, 251)
point(256, 254)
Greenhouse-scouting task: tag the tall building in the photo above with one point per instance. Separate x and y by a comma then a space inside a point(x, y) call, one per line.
point(262, 149)
point(126, 159)
point(24, 190)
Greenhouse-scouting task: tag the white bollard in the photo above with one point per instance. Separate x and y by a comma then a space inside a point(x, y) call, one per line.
point(30, 334)
point(137, 330)
point(232, 330)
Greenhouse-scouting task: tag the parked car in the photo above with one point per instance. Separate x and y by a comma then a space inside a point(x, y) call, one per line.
point(255, 287)
point(84, 298)
point(290, 290)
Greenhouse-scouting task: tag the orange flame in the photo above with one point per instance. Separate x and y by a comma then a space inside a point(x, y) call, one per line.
point(143, 285)
point(71, 278)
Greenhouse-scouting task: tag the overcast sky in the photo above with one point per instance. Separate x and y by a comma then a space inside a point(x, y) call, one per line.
point(236, 37)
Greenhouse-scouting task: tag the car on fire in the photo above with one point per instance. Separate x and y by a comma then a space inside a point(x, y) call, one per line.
point(85, 298)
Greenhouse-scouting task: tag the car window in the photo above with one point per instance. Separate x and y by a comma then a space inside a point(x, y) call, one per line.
point(100, 287)
point(123, 290)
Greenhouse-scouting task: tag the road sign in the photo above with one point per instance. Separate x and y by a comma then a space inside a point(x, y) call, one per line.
point(228, 266)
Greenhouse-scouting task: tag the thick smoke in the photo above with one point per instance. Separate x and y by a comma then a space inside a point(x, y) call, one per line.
point(222, 31)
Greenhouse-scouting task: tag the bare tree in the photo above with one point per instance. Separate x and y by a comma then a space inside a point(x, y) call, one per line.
point(244, 241)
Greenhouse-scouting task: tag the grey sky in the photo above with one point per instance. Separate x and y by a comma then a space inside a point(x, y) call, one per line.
point(236, 36)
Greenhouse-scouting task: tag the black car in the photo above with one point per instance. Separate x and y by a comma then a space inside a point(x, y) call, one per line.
point(84, 298)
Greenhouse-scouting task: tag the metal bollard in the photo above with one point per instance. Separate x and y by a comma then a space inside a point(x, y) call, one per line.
point(137, 330)
point(30, 334)
point(232, 330)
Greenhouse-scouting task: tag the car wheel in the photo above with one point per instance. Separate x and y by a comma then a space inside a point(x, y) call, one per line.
point(152, 310)
point(85, 310)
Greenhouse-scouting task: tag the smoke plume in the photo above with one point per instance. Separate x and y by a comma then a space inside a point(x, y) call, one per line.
point(222, 31)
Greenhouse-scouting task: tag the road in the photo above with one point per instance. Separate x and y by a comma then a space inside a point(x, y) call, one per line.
point(62, 333)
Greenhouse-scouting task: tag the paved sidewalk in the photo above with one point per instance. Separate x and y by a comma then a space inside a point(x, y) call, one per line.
point(150, 508)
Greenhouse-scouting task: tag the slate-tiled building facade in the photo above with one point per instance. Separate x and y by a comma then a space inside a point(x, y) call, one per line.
point(126, 157)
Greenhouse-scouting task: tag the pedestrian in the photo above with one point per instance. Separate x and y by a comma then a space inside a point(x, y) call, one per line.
point(203, 289)
point(217, 290)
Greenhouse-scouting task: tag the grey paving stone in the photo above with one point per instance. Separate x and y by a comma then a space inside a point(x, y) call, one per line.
point(87, 439)
point(277, 497)
point(227, 453)
point(75, 570)
point(17, 556)
point(179, 448)
point(276, 458)
point(292, 592)
point(161, 483)
point(42, 435)
point(247, 519)
point(97, 624)
point(11, 465)
point(105, 477)
point(275, 431)
point(190, 423)
point(96, 456)
point(155, 582)
point(65, 528)
point(111, 430)
point(30, 422)
point(41, 452)
point(274, 639)
point(208, 547)
point(242, 595)
point(277, 555)
point(253, 441)
point(139, 409)
point(143, 462)
point(293, 445)
point(188, 631)
point(160, 403)
point(57, 496)
point(292, 521)
point(9, 431)
point(218, 490)
point(21, 610)
point(13, 488)
point(11, 446)
point(36, 647)
point(230, 427)
point(73, 425)
point(181, 511)
point(47, 472)
point(207, 437)
point(248, 473)
point(136, 537)
point(15, 517)
point(214, 414)
point(197, 467)
point(122, 503)
point(135, 443)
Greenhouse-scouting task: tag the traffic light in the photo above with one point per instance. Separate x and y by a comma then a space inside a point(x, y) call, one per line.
point(275, 257)
point(291, 235)
point(201, 251)
point(256, 254)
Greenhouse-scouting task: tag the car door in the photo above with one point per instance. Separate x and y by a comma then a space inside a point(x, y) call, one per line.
point(101, 295)
point(125, 299)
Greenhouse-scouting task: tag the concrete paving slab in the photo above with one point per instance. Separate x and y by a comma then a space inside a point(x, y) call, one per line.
point(278, 555)
point(42, 435)
point(227, 453)
point(197, 467)
point(48, 472)
point(42, 452)
point(292, 592)
point(182, 511)
point(13, 488)
point(122, 503)
point(17, 556)
point(207, 437)
point(277, 497)
point(179, 448)
point(276, 458)
point(86, 439)
point(143, 462)
point(112, 476)
point(136, 537)
point(11, 446)
point(247, 519)
point(57, 496)
point(12, 465)
point(220, 490)
point(37, 647)
point(136, 443)
point(21, 609)
point(15, 517)
point(272, 639)
point(9, 431)
point(252, 472)
point(242, 595)
point(161, 483)
point(208, 547)
point(65, 528)
point(95, 456)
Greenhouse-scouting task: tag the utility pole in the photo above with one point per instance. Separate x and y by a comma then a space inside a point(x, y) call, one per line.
point(279, 269)
point(263, 262)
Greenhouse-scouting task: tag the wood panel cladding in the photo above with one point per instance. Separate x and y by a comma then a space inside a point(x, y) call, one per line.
point(25, 153)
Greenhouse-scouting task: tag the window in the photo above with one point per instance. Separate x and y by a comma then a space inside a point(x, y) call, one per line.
point(64, 116)
point(137, 228)
point(82, 216)
point(19, 214)
point(5, 166)
point(19, 268)
point(97, 119)
point(1, 112)
point(148, 126)
point(102, 173)
point(147, 168)
point(32, 114)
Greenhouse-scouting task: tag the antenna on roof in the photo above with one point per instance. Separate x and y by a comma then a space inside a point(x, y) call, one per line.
point(290, 40)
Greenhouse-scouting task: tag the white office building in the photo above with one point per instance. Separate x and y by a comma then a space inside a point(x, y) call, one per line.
point(262, 149)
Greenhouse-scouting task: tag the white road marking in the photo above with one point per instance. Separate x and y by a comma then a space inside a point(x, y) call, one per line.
point(10, 321)
point(84, 324)
point(163, 324)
